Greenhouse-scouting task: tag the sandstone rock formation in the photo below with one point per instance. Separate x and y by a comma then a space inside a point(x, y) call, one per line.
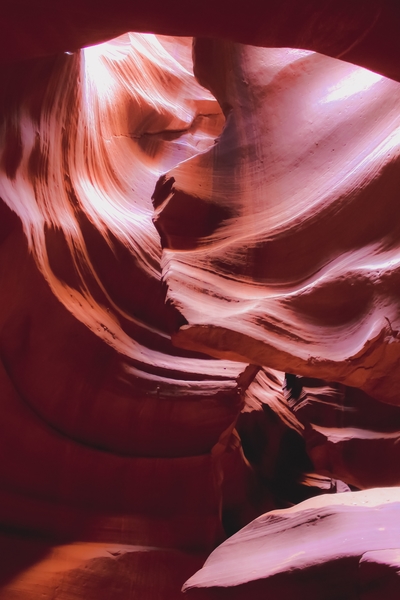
point(295, 285)
point(171, 244)
point(324, 535)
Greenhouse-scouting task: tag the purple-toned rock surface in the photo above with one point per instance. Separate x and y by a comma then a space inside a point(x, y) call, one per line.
point(199, 300)
point(327, 547)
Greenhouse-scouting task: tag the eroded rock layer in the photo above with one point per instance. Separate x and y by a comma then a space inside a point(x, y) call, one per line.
point(279, 268)
point(360, 31)
point(327, 547)
point(110, 433)
point(348, 434)
point(275, 249)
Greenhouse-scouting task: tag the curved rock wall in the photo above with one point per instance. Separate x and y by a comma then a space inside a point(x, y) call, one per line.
point(296, 279)
point(129, 452)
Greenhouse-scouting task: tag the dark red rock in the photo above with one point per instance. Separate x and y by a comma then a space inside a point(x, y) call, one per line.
point(363, 32)
point(110, 434)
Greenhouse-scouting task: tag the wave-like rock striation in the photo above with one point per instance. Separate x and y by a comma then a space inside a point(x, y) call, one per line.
point(170, 245)
point(292, 261)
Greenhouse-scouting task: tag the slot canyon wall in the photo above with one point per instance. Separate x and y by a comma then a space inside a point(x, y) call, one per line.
point(200, 300)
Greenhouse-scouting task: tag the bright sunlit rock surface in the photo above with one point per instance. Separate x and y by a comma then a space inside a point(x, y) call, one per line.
point(199, 323)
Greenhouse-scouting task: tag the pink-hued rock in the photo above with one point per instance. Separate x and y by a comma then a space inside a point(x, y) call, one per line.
point(298, 258)
point(348, 435)
point(312, 550)
point(276, 249)
point(111, 433)
point(379, 574)
point(82, 188)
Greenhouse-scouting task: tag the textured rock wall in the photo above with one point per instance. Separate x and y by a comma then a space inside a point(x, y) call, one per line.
point(108, 430)
point(298, 281)
point(169, 247)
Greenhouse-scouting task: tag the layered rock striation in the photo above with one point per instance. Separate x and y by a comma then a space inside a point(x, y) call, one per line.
point(171, 244)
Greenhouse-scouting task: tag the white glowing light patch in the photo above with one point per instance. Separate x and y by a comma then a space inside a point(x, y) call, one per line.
point(96, 69)
point(359, 80)
point(382, 266)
